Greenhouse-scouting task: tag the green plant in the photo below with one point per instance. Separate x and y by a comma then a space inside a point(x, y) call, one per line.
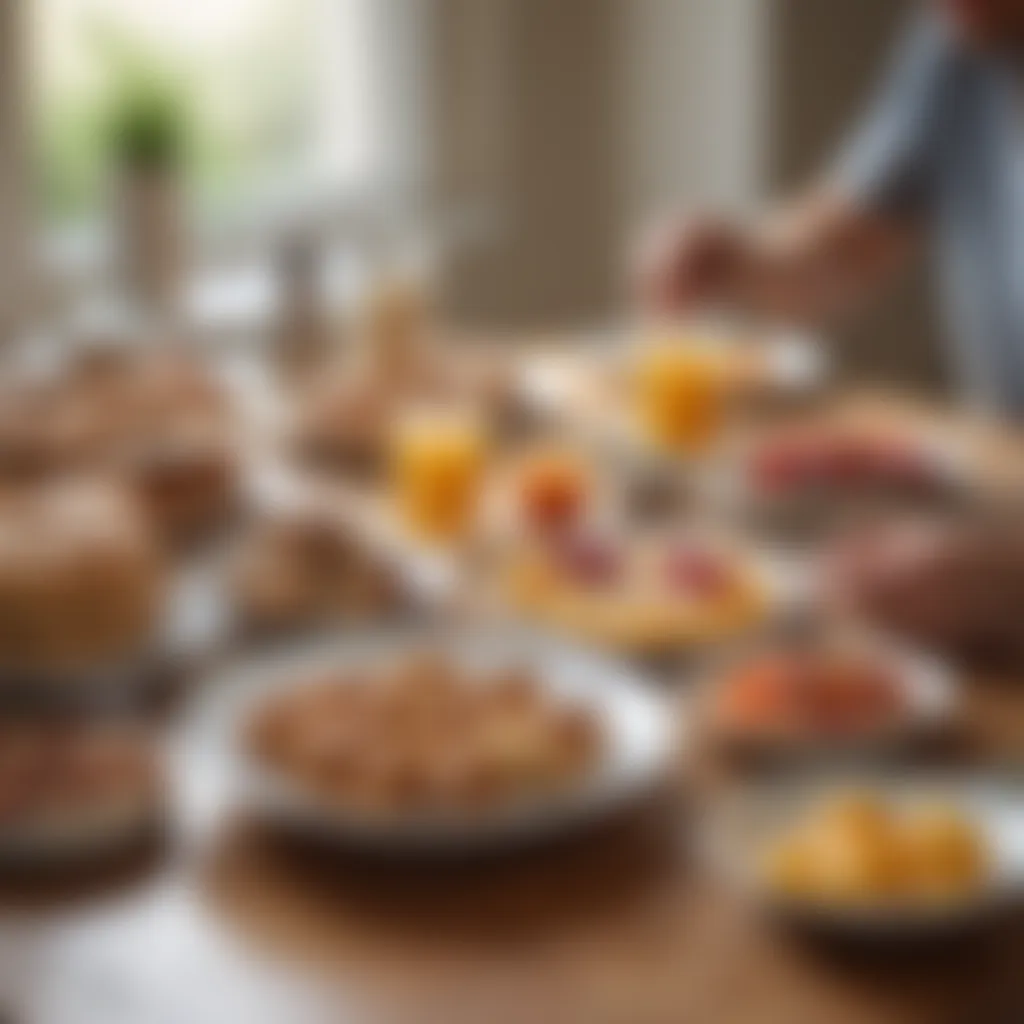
point(146, 113)
point(230, 118)
point(145, 127)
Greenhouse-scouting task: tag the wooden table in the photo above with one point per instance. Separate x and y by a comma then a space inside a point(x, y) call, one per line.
point(620, 924)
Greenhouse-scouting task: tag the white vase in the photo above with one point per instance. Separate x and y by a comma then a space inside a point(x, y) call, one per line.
point(150, 237)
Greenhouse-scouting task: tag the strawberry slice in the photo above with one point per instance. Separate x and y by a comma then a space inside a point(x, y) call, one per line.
point(592, 561)
point(697, 571)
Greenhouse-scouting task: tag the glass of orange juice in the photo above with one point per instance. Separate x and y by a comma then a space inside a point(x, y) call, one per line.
point(438, 466)
point(681, 394)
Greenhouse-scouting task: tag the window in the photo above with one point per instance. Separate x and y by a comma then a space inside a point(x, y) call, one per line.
point(277, 94)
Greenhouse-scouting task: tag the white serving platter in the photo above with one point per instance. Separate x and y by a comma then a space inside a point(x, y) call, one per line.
point(641, 734)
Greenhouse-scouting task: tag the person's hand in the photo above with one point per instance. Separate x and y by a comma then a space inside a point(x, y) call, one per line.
point(907, 577)
point(954, 586)
point(683, 265)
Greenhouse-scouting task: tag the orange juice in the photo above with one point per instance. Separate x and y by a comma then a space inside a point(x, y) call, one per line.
point(681, 395)
point(438, 469)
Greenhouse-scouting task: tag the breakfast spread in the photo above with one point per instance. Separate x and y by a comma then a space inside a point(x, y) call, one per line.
point(435, 513)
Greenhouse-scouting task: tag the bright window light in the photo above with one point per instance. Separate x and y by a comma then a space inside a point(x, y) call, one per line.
point(281, 92)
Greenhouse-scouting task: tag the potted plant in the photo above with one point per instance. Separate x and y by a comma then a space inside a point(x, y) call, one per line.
point(146, 134)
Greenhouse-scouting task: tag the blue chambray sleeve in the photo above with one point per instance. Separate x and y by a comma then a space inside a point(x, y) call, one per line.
point(886, 166)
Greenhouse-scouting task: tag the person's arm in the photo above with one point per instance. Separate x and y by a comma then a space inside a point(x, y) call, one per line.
point(832, 246)
point(811, 260)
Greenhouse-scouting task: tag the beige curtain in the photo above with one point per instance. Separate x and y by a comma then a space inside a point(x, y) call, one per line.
point(570, 119)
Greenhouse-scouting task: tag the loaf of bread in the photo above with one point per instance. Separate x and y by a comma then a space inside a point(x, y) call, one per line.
point(80, 577)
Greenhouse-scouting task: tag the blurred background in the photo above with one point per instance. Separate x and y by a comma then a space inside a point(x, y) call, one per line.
point(223, 149)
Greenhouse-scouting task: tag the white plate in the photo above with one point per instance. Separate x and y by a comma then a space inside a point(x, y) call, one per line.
point(740, 827)
point(783, 584)
point(929, 687)
point(640, 727)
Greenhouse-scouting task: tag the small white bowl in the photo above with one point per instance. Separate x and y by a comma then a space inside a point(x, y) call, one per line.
point(738, 830)
point(929, 689)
